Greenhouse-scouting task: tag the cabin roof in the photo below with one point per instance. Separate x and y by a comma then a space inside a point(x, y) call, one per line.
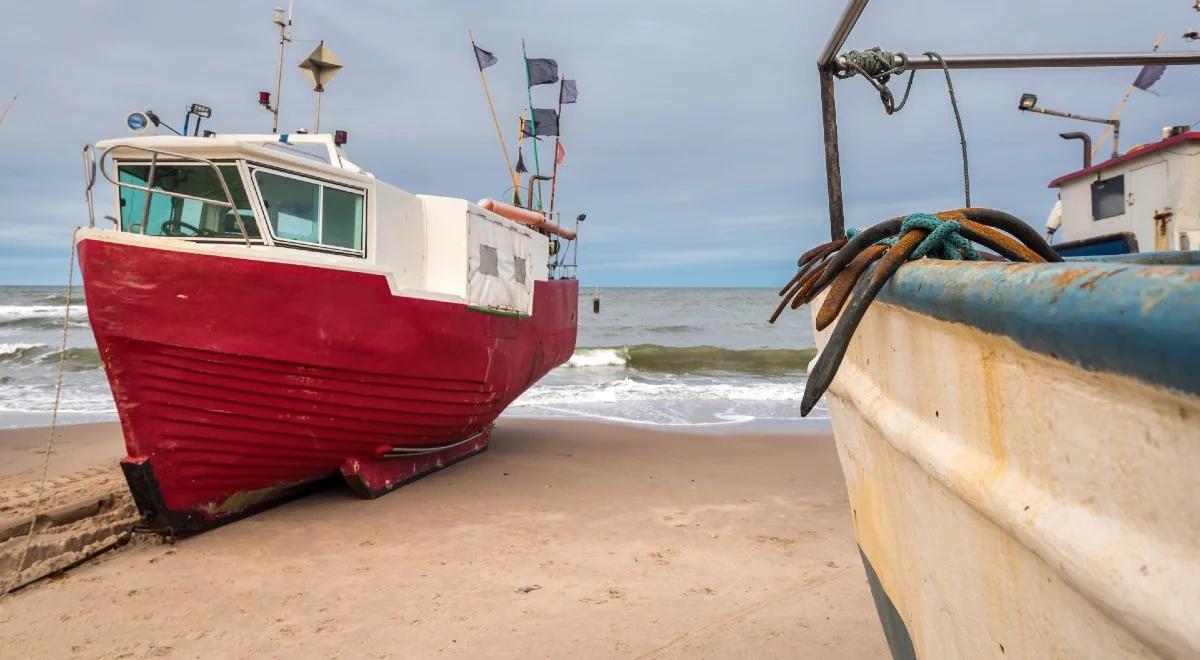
point(1134, 153)
point(280, 149)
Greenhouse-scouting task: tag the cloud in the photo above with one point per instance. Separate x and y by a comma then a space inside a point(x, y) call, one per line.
point(695, 149)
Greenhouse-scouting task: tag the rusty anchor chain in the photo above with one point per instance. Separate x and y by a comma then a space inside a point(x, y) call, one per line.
point(844, 266)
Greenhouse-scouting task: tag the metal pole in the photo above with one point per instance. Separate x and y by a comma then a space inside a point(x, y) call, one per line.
point(1051, 60)
point(283, 39)
point(557, 138)
point(317, 127)
point(1114, 124)
point(150, 192)
point(833, 166)
point(492, 107)
point(7, 108)
point(517, 175)
point(854, 9)
point(537, 166)
point(1120, 106)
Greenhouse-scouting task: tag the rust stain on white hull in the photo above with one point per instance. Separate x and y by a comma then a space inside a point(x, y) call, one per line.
point(1016, 505)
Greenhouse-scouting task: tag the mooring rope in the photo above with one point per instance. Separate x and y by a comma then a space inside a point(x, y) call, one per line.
point(62, 357)
point(877, 66)
point(843, 266)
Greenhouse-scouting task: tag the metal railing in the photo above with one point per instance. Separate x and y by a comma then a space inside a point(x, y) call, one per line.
point(559, 267)
point(830, 63)
point(149, 188)
point(89, 175)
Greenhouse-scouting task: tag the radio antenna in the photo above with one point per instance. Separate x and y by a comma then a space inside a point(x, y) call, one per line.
point(285, 35)
point(8, 107)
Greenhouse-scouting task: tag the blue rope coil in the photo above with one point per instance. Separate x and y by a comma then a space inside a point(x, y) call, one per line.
point(943, 241)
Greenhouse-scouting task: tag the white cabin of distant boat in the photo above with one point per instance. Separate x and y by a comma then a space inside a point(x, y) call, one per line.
point(1152, 191)
point(426, 246)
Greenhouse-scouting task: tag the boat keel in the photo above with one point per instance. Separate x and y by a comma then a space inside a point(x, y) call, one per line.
point(367, 477)
point(371, 478)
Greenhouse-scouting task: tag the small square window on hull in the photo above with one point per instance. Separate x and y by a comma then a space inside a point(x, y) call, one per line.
point(489, 260)
point(308, 212)
point(519, 269)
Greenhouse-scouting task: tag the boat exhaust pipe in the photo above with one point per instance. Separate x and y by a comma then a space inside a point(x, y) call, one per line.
point(1087, 145)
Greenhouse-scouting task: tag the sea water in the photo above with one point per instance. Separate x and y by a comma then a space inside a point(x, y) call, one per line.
point(657, 356)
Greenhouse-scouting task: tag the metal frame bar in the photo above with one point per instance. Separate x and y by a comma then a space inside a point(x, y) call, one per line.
point(828, 65)
point(89, 176)
point(150, 192)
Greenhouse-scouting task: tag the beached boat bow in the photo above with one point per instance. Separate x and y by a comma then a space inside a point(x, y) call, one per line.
point(1019, 440)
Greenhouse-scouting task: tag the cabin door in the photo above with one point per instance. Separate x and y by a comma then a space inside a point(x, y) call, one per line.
point(1147, 197)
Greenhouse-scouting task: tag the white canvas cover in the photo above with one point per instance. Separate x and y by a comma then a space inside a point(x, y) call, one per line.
point(500, 267)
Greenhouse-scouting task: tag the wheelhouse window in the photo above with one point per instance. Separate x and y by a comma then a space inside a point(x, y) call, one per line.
point(310, 212)
point(1108, 198)
point(169, 215)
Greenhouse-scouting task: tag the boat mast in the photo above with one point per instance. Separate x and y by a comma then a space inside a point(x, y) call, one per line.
point(7, 108)
point(285, 35)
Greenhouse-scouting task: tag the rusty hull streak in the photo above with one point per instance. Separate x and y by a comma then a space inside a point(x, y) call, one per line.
point(1119, 574)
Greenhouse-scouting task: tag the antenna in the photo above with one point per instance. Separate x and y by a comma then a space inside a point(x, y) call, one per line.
point(8, 107)
point(284, 21)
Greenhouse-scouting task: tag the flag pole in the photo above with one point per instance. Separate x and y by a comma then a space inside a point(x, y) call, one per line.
point(557, 138)
point(1121, 106)
point(517, 176)
point(496, 120)
point(7, 108)
point(537, 166)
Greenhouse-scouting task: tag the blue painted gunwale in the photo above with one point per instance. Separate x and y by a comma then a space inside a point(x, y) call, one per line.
point(1112, 314)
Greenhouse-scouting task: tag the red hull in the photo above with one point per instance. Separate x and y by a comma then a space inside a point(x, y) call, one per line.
point(237, 380)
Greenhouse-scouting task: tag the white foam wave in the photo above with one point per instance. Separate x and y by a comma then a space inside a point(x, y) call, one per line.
point(27, 398)
point(7, 350)
point(599, 357)
point(628, 389)
point(41, 315)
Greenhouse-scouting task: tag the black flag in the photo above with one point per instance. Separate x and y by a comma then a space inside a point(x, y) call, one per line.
point(542, 71)
point(1148, 76)
point(483, 58)
point(520, 156)
point(545, 122)
point(569, 92)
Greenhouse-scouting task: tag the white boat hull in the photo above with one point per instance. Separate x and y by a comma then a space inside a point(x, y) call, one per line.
point(1013, 504)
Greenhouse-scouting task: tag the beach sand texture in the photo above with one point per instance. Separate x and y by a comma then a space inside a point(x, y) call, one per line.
point(634, 542)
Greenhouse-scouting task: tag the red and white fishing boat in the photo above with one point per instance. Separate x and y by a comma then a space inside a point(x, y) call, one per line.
point(268, 317)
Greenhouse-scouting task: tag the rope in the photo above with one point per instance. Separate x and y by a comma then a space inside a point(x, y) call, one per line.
point(878, 66)
point(62, 356)
point(943, 242)
point(962, 135)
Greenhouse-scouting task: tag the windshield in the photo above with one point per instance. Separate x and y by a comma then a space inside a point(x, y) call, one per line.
point(175, 216)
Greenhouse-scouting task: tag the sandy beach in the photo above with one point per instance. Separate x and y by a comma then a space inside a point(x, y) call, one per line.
point(564, 539)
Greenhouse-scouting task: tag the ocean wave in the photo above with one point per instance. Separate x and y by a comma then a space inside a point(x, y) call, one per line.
point(19, 352)
point(627, 389)
point(696, 359)
point(40, 317)
point(26, 354)
point(39, 399)
point(61, 299)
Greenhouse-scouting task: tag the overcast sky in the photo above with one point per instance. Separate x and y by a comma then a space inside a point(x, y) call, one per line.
point(695, 148)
